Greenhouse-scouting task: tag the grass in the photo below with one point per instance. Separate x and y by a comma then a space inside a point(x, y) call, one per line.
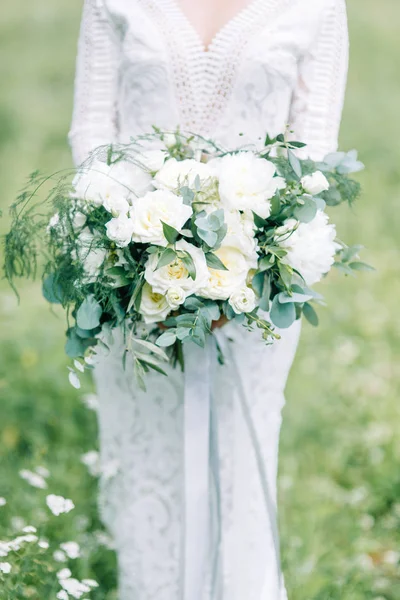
point(339, 476)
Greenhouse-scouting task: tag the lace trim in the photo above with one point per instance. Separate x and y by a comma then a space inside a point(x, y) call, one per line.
point(203, 77)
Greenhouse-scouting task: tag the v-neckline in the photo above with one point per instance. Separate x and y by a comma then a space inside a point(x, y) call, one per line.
point(243, 15)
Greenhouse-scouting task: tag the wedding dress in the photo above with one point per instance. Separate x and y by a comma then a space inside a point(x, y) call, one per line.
point(142, 63)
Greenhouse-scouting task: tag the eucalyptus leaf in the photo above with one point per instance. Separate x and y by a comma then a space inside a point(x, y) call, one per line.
point(168, 338)
point(282, 315)
point(89, 313)
point(295, 163)
point(310, 314)
point(306, 211)
point(284, 297)
point(52, 290)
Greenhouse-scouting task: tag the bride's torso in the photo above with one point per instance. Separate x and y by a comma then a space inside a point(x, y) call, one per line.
point(236, 89)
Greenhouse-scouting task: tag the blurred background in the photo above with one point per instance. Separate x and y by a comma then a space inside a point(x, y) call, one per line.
point(340, 450)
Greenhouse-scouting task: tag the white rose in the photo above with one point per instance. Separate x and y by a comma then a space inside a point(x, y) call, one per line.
point(175, 274)
point(175, 297)
point(112, 186)
point(154, 207)
point(90, 254)
point(311, 247)
point(243, 300)
point(247, 182)
point(315, 183)
point(153, 306)
point(120, 230)
point(176, 174)
point(221, 283)
point(240, 232)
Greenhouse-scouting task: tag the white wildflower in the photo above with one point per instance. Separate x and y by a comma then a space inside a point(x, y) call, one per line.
point(43, 471)
point(91, 460)
point(5, 567)
point(74, 588)
point(71, 549)
point(4, 549)
point(29, 529)
point(62, 595)
point(64, 574)
point(59, 556)
point(58, 504)
point(3, 501)
point(43, 544)
point(91, 401)
point(34, 479)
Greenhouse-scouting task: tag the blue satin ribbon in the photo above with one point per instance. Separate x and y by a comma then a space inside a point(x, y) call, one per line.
point(202, 527)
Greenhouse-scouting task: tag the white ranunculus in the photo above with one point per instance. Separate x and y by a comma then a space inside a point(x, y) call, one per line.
point(153, 306)
point(175, 274)
point(149, 211)
point(315, 183)
point(112, 186)
point(90, 254)
point(120, 230)
point(311, 247)
point(247, 182)
point(240, 232)
point(175, 297)
point(222, 283)
point(175, 174)
point(243, 300)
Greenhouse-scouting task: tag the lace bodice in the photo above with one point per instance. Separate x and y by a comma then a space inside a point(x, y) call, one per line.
point(278, 62)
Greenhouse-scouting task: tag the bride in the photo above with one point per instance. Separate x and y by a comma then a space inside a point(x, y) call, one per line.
point(232, 70)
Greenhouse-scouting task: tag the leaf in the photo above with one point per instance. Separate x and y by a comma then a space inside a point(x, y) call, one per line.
point(275, 205)
point(192, 303)
point(297, 144)
point(214, 262)
point(74, 380)
point(286, 274)
point(89, 313)
point(171, 234)
point(307, 211)
point(259, 222)
point(52, 290)
point(295, 163)
point(182, 333)
point(209, 237)
point(258, 283)
point(360, 266)
point(212, 309)
point(167, 257)
point(74, 346)
point(310, 314)
point(152, 348)
point(280, 138)
point(266, 263)
point(199, 337)
point(350, 252)
point(283, 297)
point(266, 292)
point(188, 263)
point(282, 315)
point(168, 338)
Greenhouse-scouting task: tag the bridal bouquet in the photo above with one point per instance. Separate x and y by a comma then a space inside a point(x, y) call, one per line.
point(164, 242)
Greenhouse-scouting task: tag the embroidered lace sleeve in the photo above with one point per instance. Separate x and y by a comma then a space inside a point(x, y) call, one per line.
point(318, 98)
point(94, 115)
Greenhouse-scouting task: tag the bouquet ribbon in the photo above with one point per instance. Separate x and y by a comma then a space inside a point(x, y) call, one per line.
point(202, 533)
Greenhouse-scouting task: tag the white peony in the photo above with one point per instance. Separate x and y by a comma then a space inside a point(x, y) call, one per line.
point(243, 300)
point(149, 212)
point(59, 505)
point(112, 186)
point(175, 174)
point(315, 183)
point(153, 306)
point(311, 247)
point(222, 284)
point(247, 182)
point(89, 254)
point(175, 297)
point(175, 274)
point(240, 232)
point(120, 230)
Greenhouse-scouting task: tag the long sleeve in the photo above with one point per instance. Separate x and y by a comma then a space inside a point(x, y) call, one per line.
point(94, 115)
point(317, 101)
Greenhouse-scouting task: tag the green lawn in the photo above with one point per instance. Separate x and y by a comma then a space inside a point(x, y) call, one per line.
point(339, 474)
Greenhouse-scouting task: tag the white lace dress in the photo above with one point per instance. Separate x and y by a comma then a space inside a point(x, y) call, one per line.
point(141, 63)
